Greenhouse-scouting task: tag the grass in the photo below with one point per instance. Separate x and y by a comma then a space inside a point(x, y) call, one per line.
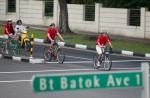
point(82, 39)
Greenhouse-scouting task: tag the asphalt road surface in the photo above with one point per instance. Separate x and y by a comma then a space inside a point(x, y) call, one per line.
point(15, 77)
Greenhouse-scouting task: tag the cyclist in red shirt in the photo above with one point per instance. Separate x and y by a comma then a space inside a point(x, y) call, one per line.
point(51, 33)
point(101, 42)
point(9, 30)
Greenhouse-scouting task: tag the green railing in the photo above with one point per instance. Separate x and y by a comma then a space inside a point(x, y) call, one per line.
point(13, 45)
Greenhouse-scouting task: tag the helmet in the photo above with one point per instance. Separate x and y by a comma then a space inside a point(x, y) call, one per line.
point(19, 21)
point(9, 20)
point(52, 24)
point(103, 32)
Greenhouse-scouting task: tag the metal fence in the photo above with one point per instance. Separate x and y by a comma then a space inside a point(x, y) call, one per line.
point(89, 12)
point(49, 4)
point(134, 17)
point(11, 4)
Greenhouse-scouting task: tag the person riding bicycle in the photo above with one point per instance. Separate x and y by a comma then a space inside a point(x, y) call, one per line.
point(101, 42)
point(8, 31)
point(19, 27)
point(51, 33)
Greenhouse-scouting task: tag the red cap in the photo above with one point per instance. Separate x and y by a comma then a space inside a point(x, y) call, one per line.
point(52, 24)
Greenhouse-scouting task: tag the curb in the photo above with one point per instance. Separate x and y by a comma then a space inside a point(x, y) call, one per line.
point(85, 47)
point(29, 60)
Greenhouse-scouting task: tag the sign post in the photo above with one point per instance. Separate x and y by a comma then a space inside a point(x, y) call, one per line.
point(146, 81)
point(87, 81)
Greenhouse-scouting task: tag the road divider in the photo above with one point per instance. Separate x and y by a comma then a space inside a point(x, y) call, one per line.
point(23, 59)
point(85, 47)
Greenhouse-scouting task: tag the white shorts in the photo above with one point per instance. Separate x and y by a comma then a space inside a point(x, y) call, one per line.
point(6, 36)
point(99, 49)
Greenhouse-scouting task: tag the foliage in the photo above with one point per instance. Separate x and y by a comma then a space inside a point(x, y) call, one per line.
point(134, 4)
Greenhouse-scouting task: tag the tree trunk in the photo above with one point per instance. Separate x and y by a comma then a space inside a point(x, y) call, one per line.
point(63, 17)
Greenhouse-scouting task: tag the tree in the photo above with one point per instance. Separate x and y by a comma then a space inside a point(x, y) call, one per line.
point(63, 17)
point(131, 4)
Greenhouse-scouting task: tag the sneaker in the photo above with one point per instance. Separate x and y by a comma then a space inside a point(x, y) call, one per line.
point(7, 51)
point(98, 64)
point(50, 50)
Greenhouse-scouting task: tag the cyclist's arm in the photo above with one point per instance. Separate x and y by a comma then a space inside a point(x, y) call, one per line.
point(16, 30)
point(99, 45)
point(50, 37)
point(60, 36)
point(98, 41)
point(7, 31)
point(110, 44)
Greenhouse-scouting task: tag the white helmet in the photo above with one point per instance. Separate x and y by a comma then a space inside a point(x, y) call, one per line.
point(103, 32)
point(9, 19)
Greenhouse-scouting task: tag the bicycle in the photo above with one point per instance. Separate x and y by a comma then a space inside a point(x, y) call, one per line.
point(12, 44)
point(105, 61)
point(56, 52)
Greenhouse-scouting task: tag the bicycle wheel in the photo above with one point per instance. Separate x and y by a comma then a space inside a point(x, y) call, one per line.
point(16, 49)
point(47, 54)
point(107, 63)
point(95, 61)
point(3, 48)
point(27, 45)
point(60, 56)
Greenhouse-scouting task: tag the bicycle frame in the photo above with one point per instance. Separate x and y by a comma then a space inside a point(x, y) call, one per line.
point(56, 53)
point(105, 59)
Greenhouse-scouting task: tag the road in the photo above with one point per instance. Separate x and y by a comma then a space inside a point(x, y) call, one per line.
point(15, 77)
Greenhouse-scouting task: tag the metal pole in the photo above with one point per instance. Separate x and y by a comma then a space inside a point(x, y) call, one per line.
point(145, 89)
point(31, 49)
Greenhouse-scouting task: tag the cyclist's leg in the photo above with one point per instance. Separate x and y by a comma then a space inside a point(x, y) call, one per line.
point(6, 43)
point(50, 45)
point(6, 37)
point(99, 51)
point(55, 49)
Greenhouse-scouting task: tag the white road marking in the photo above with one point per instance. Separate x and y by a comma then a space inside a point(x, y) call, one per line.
point(14, 81)
point(74, 62)
point(67, 70)
point(127, 68)
point(78, 57)
point(115, 61)
point(112, 61)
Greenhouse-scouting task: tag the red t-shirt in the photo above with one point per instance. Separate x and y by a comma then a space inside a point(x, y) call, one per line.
point(9, 28)
point(52, 33)
point(102, 40)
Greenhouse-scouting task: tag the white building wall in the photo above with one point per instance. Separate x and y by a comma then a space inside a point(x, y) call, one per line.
point(76, 19)
point(147, 27)
point(2, 9)
point(114, 20)
point(31, 12)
